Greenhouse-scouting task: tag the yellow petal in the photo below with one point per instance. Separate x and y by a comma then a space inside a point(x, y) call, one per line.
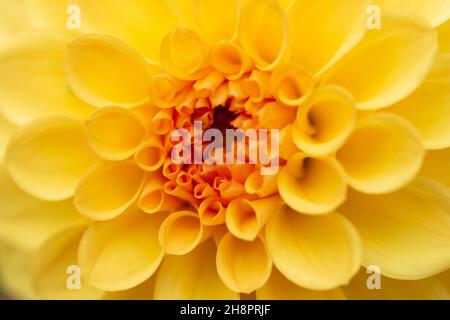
point(144, 291)
point(32, 83)
point(47, 157)
point(391, 159)
point(378, 72)
point(274, 115)
point(154, 199)
point(391, 289)
point(428, 108)
point(406, 233)
point(114, 133)
point(104, 71)
point(15, 272)
point(230, 59)
point(318, 253)
point(142, 24)
point(55, 268)
point(435, 11)
point(122, 253)
point(436, 164)
point(325, 122)
point(261, 185)
point(243, 266)
point(245, 219)
point(192, 277)
point(107, 189)
point(181, 232)
point(26, 222)
point(312, 185)
point(184, 54)
point(151, 154)
point(6, 131)
point(280, 288)
point(444, 37)
point(212, 211)
point(291, 84)
point(14, 19)
point(218, 19)
point(312, 22)
point(264, 17)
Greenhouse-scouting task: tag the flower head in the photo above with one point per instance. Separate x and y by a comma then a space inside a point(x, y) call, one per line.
point(355, 119)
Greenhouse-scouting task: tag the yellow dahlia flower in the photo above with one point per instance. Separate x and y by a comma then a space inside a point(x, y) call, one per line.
point(88, 181)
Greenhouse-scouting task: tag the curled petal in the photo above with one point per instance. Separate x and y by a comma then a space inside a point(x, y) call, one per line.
point(184, 54)
point(114, 133)
point(264, 17)
point(245, 219)
point(391, 159)
point(151, 154)
point(181, 232)
point(405, 233)
point(280, 288)
point(275, 116)
point(154, 199)
point(325, 122)
point(428, 108)
point(163, 122)
point(167, 91)
point(312, 185)
point(32, 83)
point(51, 272)
point(192, 276)
point(230, 59)
point(312, 22)
point(206, 86)
point(108, 189)
point(257, 86)
point(287, 145)
point(261, 185)
point(318, 253)
point(212, 212)
point(218, 19)
point(291, 85)
point(121, 253)
point(104, 71)
point(243, 266)
point(390, 77)
point(47, 157)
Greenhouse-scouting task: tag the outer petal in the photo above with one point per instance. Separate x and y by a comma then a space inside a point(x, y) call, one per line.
point(435, 11)
point(6, 131)
point(32, 83)
point(192, 276)
point(444, 37)
point(378, 72)
point(406, 233)
point(121, 253)
point(51, 268)
point(47, 157)
point(27, 222)
point(243, 266)
point(143, 24)
point(391, 289)
point(391, 159)
point(428, 108)
point(104, 71)
point(312, 22)
point(436, 166)
point(218, 19)
point(264, 17)
point(14, 19)
point(107, 189)
point(318, 253)
point(280, 288)
point(144, 291)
